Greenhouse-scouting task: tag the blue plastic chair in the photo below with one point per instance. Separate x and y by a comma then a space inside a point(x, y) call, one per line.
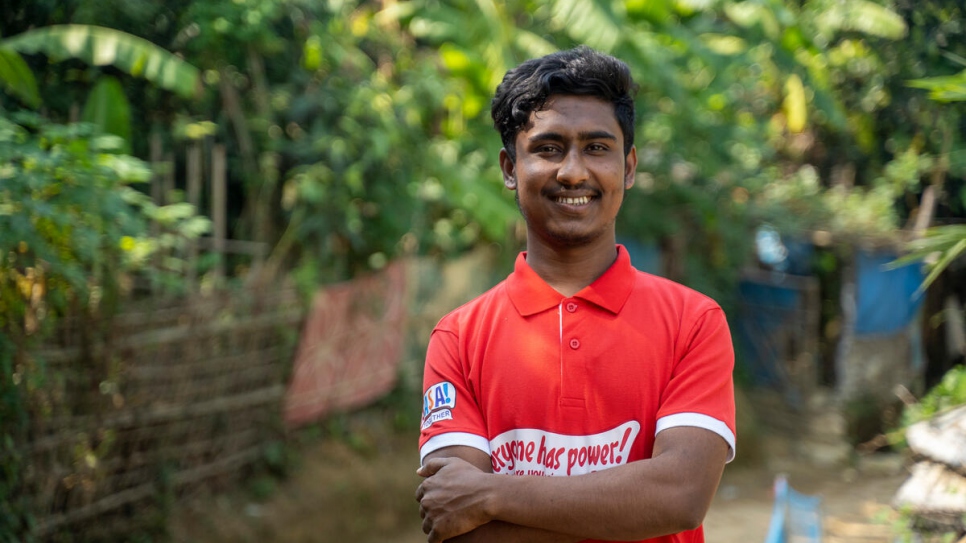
point(795, 517)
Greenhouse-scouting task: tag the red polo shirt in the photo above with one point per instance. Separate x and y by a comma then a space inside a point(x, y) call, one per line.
point(551, 385)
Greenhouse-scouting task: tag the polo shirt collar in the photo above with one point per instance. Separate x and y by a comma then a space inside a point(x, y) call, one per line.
point(530, 294)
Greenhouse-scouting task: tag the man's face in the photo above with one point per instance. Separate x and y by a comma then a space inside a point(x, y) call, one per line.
point(570, 172)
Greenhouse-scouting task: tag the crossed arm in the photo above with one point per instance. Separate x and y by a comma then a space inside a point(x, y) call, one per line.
point(668, 493)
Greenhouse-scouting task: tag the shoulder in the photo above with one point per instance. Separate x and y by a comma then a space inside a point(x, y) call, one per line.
point(474, 312)
point(660, 302)
point(669, 293)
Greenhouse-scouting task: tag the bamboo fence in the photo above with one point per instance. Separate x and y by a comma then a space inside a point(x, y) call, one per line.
point(162, 398)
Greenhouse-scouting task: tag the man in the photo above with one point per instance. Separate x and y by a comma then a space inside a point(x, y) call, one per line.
point(605, 393)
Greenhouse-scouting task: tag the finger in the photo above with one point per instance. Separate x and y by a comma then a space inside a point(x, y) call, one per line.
point(432, 466)
point(434, 537)
point(420, 491)
point(427, 525)
point(422, 512)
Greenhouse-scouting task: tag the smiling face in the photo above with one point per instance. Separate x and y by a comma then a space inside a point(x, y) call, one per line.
point(570, 172)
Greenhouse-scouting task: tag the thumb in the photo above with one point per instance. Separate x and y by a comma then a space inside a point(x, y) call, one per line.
point(431, 467)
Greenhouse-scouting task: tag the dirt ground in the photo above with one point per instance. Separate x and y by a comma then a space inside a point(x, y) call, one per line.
point(360, 487)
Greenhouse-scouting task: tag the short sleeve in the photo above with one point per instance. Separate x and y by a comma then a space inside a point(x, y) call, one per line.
point(451, 412)
point(701, 389)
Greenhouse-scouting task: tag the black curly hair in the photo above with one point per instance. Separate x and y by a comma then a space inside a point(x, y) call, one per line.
point(580, 71)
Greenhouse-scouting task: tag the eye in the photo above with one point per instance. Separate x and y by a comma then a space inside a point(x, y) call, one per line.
point(546, 148)
point(597, 147)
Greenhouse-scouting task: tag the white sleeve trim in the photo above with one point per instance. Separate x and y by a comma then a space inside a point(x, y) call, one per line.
point(450, 439)
point(699, 420)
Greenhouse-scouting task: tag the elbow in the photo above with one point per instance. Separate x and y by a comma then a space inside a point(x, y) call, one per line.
point(690, 520)
point(686, 511)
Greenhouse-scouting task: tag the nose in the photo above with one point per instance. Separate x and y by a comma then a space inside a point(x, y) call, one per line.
point(572, 170)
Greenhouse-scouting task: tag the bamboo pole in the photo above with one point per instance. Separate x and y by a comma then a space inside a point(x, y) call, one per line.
point(157, 188)
point(194, 198)
point(219, 205)
point(148, 490)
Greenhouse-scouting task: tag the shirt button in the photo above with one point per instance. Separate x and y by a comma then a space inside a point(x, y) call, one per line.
point(575, 343)
point(572, 307)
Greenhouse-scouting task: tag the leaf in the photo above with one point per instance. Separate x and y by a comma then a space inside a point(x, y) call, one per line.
point(862, 16)
point(947, 88)
point(101, 46)
point(589, 22)
point(108, 109)
point(17, 78)
point(945, 243)
point(455, 59)
point(723, 44)
point(795, 106)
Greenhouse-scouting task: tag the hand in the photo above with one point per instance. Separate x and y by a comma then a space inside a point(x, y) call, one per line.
point(450, 499)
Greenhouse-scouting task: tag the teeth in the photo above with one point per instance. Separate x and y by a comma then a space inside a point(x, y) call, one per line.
point(574, 201)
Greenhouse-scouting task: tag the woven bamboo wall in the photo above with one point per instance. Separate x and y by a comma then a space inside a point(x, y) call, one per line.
point(164, 397)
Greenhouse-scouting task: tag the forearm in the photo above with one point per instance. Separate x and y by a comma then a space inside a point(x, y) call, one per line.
point(609, 505)
point(667, 494)
point(504, 532)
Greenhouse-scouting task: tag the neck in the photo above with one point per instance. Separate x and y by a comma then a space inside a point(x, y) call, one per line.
point(568, 270)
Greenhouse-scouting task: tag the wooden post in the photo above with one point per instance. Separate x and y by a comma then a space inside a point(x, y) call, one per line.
point(167, 187)
point(219, 205)
point(157, 189)
point(194, 198)
point(157, 167)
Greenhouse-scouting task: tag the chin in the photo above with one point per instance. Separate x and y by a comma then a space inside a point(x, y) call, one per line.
point(573, 239)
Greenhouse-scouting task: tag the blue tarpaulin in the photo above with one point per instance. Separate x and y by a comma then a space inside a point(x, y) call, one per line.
point(886, 298)
point(765, 309)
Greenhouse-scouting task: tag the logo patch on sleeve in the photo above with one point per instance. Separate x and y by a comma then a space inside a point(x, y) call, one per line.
point(438, 402)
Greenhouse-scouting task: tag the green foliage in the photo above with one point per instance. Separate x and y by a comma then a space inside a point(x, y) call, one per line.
point(949, 88)
point(940, 245)
point(375, 168)
point(949, 392)
point(70, 221)
point(338, 112)
point(15, 516)
point(108, 110)
point(938, 248)
point(98, 46)
point(73, 231)
point(734, 99)
point(16, 78)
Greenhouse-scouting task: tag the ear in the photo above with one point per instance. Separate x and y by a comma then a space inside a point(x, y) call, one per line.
point(630, 168)
point(509, 170)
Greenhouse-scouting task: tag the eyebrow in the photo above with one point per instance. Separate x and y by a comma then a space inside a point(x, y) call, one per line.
point(582, 136)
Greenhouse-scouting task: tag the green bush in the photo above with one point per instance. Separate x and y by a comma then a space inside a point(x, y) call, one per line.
point(74, 235)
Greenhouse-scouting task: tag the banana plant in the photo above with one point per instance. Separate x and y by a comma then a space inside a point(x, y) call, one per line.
point(939, 246)
point(106, 107)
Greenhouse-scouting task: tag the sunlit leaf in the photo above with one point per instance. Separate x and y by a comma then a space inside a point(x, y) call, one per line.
point(862, 16)
point(939, 247)
point(17, 78)
point(589, 22)
point(108, 109)
point(656, 11)
point(454, 58)
point(532, 45)
point(312, 53)
point(795, 104)
point(101, 46)
point(949, 88)
point(749, 14)
point(724, 45)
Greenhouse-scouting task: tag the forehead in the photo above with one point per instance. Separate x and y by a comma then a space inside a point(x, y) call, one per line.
point(567, 113)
